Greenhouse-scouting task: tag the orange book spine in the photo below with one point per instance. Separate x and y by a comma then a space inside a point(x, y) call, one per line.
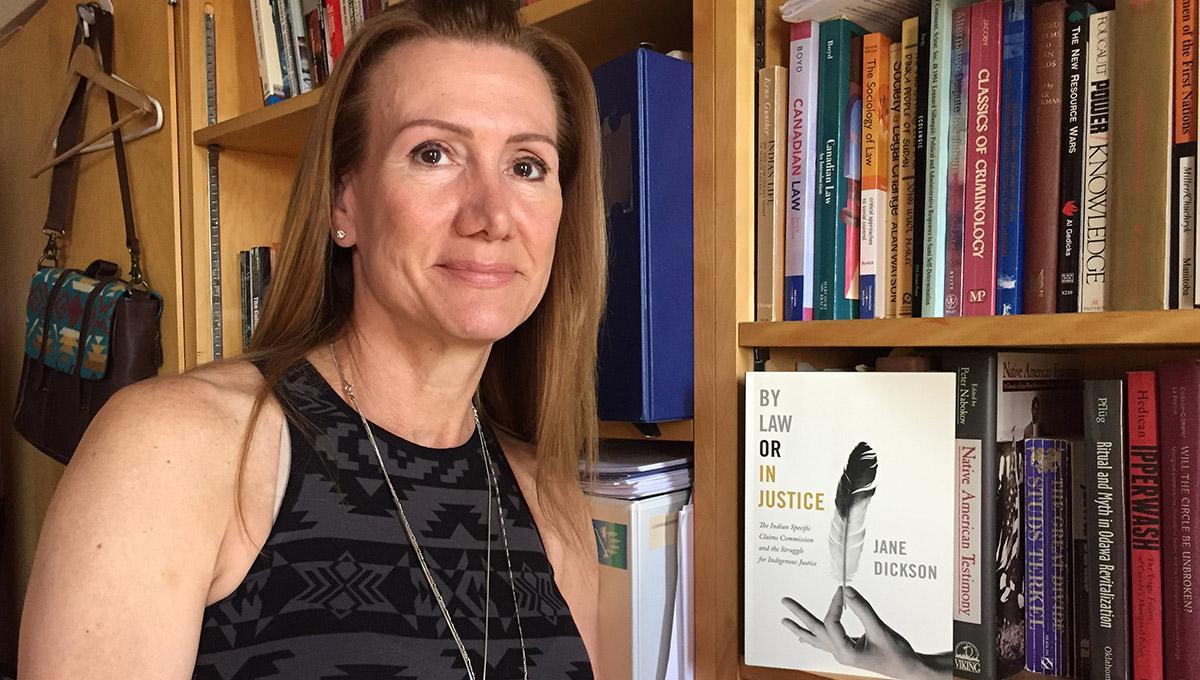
point(876, 170)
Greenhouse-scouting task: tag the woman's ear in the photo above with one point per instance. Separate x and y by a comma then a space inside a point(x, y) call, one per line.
point(344, 229)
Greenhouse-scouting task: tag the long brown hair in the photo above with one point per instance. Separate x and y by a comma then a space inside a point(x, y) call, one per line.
point(539, 382)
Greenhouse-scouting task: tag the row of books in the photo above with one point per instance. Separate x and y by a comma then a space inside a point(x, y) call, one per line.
point(298, 41)
point(979, 158)
point(254, 270)
point(1015, 516)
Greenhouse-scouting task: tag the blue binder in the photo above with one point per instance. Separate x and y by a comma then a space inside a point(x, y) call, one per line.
point(645, 364)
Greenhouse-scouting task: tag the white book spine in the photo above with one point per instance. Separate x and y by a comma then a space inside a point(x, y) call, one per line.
point(875, 16)
point(1093, 265)
point(801, 161)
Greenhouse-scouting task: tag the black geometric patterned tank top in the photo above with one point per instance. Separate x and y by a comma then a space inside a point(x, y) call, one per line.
point(337, 591)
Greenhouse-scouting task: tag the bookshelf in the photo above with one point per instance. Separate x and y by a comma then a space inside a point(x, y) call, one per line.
point(259, 146)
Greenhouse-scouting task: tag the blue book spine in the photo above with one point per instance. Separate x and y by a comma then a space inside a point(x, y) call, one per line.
point(1048, 647)
point(839, 102)
point(1010, 239)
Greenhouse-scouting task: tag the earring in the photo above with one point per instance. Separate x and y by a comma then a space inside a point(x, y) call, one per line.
point(340, 234)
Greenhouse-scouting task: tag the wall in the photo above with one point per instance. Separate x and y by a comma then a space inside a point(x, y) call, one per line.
point(32, 79)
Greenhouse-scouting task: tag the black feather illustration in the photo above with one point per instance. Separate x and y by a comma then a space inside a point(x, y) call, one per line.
point(848, 531)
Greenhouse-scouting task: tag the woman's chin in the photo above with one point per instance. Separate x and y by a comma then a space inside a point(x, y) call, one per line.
point(482, 328)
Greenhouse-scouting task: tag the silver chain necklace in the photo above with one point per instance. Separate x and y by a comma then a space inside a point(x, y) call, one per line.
point(493, 488)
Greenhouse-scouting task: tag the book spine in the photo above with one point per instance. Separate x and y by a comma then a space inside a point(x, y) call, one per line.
point(1047, 554)
point(1183, 176)
point(801, 183)
point(1070, 194)
point(299, 46)
point(264, 80)
point(287, 58)
point(1077, 567)
point(910, 249)
point(772, 107)
point(1179, 394)
point(333, 29)
point(956, 160)
point(255, 289)
point(244, 277)
point(921, 159)
point(1093, 252)
point(876, 128)
point(315, 36)
point(275, 89)
point(978, 478)
point(1145, 527)
point(1044, 140)
point(899, 277)
point(1010, 233)
point(1108, 558)
point(937, 131)
point(983, 164)
point(1141, 201)
point(840, 107)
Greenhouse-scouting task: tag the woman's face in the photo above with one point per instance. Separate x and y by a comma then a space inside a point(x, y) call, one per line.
point(455, 207)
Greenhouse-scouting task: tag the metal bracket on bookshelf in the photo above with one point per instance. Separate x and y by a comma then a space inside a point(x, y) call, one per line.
point(761, 356)
point(649, 430)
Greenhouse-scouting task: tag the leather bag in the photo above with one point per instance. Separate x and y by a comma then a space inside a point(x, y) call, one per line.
point(87, 333)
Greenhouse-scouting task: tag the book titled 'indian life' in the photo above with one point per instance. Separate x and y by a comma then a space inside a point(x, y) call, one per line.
point(849, 518)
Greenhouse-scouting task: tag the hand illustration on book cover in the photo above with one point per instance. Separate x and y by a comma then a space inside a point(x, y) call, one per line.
point(880, 648)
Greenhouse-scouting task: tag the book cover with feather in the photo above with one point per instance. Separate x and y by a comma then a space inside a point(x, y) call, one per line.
point(849, 521)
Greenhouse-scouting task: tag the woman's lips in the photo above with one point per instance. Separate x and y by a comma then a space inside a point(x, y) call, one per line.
point(480, 274)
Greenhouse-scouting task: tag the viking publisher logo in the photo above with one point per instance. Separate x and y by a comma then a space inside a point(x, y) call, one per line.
point(966, 658)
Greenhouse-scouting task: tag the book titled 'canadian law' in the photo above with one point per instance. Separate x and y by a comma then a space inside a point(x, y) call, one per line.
point(849, 518)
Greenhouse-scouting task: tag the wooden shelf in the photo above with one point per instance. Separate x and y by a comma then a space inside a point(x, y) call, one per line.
point(599, 30)
point(1107, 329)
point(672, 431)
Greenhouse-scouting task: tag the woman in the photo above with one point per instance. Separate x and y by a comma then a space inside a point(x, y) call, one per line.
point(444, 249)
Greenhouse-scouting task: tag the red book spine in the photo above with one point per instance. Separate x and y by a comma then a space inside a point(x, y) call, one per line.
point(333, 26)
point(1179, 430)
point(1042, 156)
point(1145, 526)
point(983, 159)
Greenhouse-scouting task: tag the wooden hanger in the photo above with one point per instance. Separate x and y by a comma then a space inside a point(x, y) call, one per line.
point(85, 65)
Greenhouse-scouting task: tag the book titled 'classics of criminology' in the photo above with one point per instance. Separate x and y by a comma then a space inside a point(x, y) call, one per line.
point(844, 511)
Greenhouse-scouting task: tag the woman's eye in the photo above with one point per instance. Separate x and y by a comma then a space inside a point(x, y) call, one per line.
point(430, 154)
point(530, 168)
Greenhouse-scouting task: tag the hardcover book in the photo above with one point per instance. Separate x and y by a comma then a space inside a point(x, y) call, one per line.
point(1014, 97)
point(839, 130)
point(1048, 629)
point(956, 175)
point(983, 159)
point(848, 518)
point(876, 166)
point(801, 163)
point(1044, 140)
point(910, 243)
point(1179, 427)
point(1183, 154)
point(772, 138)
point(937, 131)
point(1070, 195)
point(1107, 609)
point(1141, 201)
point(1093, 252)
point(1145, 527)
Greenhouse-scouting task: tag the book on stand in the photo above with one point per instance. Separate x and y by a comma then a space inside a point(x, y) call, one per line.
point(835, 501)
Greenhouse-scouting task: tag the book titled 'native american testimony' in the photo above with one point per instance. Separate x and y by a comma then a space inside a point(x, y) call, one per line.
point(849, 517)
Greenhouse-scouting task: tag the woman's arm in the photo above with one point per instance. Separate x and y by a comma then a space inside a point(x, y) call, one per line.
point(129, 547)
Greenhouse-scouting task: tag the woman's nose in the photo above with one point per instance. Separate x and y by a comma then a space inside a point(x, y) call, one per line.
point(486, 208)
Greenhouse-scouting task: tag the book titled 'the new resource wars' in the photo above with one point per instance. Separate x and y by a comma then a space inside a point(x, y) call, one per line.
point(849, 520)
